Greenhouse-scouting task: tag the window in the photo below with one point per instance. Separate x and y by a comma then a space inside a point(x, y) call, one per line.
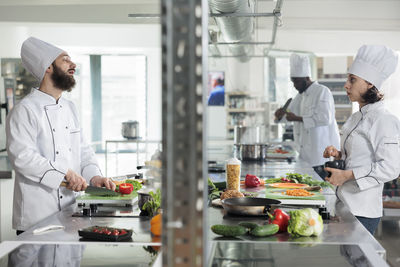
point(123, 94)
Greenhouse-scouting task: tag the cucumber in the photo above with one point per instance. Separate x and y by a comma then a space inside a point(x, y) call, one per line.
point(248, 225)
point(220, 185)
point(265, 230)
point(228, 230)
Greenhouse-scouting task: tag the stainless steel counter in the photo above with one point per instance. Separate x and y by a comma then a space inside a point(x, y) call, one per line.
point(343, 228)
point(139, 225)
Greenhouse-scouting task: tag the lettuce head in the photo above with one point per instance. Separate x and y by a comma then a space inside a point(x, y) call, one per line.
point(305, 222)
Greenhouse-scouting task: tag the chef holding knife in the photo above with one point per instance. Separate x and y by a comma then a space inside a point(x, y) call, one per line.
point(44, 140)
point(369, 138)
point(312, 112)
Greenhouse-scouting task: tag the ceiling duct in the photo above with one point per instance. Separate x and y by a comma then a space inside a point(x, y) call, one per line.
point(235, 29)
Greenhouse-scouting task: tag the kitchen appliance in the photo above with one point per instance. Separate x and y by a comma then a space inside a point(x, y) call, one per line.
point(130, 129)
point(257, 134)
point(251, 152)
point(336, 164)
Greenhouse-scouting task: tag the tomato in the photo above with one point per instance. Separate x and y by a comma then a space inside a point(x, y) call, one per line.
point(125, 188)
point(107, 232)
point(122, 232)
point(115, 232)
point(95, 230)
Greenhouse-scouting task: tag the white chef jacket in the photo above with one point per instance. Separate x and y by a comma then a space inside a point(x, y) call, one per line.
point(34, 255)
point(370, 147)
point(318, 129)
point(44, 140)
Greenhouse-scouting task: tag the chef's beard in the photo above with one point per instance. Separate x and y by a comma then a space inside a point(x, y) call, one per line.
point(303, 86)
point(62, 80)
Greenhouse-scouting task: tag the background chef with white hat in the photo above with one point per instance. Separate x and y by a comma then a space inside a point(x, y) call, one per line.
point(369, 138)
point(44, 141)
point(312, 112)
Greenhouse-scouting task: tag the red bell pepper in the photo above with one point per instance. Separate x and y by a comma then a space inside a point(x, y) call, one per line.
point(252, 181)
point(125, 188)
point(280, 218)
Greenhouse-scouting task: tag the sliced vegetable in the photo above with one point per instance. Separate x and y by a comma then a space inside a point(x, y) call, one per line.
point(125, 188)
point(305, 222)
point(265, 230)
point(280, 218)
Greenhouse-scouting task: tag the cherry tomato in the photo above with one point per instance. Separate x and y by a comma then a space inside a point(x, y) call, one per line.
point(115, 232)
point(122, 232)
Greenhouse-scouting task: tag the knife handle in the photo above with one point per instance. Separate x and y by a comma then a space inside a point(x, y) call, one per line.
point(64, 184)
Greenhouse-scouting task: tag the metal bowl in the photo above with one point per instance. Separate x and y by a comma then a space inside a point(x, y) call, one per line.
point(248, 205)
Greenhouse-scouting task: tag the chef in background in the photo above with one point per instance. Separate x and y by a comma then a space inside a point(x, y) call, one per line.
point(45, 144)
point(312, 112)
point(369, 138)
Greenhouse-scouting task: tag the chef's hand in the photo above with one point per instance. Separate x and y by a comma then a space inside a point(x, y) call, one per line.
point(290, 116)
point(279, 113)
point(338, 177)
point(331, 151)
point(102, 182)
point(75, 182)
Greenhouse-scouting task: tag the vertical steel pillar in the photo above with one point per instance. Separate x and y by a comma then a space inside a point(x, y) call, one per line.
point(183, 53)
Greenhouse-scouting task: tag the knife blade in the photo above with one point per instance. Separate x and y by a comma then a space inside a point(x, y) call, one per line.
point(284, 108)
point(96, 191)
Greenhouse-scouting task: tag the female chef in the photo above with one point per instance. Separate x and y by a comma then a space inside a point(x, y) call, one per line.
point(369, 138)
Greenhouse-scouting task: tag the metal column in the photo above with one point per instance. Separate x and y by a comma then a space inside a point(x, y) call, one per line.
point(183, 53)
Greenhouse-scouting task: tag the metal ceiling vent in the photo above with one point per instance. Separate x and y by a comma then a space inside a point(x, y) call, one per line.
point(235, 29)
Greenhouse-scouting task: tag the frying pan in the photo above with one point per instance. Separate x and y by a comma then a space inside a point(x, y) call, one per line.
point(248, 205)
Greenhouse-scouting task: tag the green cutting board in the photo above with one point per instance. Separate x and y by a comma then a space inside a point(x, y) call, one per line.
point(276, 193)
point(122, 197)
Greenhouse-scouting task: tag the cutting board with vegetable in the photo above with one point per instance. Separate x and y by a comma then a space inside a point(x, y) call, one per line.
point(277, 193)
point(123, 198)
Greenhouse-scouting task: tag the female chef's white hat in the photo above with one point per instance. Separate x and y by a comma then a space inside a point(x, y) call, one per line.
point(374, 63)
point(299, 66)
point(37, 56)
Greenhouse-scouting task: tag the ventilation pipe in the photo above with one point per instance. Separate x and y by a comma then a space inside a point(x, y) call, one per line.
point(235, 29)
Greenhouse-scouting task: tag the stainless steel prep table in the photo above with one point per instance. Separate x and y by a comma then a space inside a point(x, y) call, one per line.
point(140, 226)
point(344, 228)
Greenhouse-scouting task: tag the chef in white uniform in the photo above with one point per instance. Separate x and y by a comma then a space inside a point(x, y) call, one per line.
point(369, 138)
point(45, 144)
point(312, 112)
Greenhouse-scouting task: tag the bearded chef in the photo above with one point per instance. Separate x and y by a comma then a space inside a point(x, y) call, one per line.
point(45, 144)
point(312, 112)
point(369, 138)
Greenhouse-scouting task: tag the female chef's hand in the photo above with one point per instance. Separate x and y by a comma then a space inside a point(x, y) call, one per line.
point(102, 181)
point(338, 177)
point(331, 151)
point(75, 182)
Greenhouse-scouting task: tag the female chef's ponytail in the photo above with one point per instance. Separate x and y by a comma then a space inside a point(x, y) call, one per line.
point(372, 95)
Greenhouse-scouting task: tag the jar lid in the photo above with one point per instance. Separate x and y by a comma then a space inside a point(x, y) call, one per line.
point(233, 161)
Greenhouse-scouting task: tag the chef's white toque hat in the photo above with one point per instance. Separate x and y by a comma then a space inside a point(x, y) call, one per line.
point(374, 63)
point(37, 56)
point(299, 66)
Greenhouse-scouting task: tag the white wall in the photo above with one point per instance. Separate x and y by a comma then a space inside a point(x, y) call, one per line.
point(97, 39)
